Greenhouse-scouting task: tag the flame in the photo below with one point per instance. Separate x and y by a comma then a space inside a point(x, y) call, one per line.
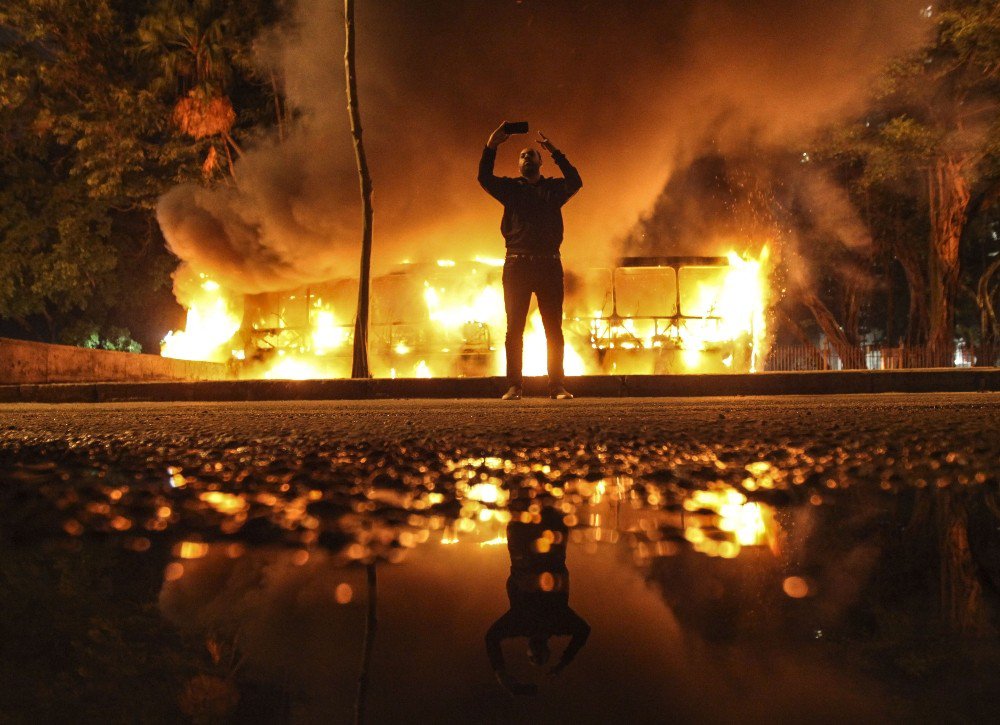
point(536, 352)
point(456, 315)
point(729, 311)
point(294, 368)
point(746, 522)
point(327, 334)
point(486, 305)
point(213, 318)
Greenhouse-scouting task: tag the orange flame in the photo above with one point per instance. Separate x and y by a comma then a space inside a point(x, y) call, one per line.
point(722, 319)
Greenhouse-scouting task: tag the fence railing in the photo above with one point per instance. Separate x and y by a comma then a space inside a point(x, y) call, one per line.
point(876, 357)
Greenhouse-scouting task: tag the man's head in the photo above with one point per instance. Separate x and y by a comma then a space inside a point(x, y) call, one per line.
point(529, 162)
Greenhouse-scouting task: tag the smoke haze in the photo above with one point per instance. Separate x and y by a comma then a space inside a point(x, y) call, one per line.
point(633, 92)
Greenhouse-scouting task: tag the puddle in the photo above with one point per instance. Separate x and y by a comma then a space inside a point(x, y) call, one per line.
point(241, 591)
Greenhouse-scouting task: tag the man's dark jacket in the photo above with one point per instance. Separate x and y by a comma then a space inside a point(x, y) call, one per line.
point(532, 213)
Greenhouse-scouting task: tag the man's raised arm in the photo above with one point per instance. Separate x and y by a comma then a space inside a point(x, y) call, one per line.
point(571, 176)
point(494, 185)
point(579, 630)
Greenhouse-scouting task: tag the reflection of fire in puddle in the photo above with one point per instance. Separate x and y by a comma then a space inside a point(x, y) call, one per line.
point(733, 522)
point(718, 521)
point(471, 500)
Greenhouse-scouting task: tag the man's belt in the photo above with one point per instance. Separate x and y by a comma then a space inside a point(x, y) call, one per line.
point(532, 256)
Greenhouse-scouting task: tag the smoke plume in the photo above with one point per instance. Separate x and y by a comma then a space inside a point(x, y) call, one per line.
point(637, 94)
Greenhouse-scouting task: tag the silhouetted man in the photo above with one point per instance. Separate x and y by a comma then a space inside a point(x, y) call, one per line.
point(538, 589)
point(532, 228)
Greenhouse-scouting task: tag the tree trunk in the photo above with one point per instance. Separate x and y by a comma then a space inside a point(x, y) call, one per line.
point(916, 282)
point(890, 300)
point(962, 596)
point(371, 622)
point(811, 350)
point(916, 316)
point(988, 322)
point(948, 191)
point(359, 368)
point(850, 354)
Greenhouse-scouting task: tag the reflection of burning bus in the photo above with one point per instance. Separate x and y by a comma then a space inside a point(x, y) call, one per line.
point(645, 315)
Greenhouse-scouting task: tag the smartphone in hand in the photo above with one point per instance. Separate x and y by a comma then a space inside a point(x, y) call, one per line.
point(515, 127)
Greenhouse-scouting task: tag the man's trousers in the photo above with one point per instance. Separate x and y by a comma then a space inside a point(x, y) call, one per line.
point(543, 276)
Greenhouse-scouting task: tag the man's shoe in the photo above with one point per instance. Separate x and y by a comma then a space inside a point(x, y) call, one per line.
point(561, 393)
point(513, 393)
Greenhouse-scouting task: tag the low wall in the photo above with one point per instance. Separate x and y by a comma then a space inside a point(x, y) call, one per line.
point(24, 362)
point(595, 386)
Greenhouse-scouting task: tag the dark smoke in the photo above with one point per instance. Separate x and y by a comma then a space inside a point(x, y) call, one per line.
point(639, 94)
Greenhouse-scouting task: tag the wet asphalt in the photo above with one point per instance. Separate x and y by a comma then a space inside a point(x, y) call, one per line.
point(92, 465)
point(915, 429)
point(928, 436)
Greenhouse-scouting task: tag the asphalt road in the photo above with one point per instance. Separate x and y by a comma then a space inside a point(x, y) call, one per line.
point(931, 434)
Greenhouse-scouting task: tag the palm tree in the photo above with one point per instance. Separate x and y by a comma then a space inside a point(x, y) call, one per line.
point(190, 41)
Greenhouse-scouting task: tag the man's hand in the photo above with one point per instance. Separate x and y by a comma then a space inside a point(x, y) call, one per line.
point(498, 137)
point(544, 142)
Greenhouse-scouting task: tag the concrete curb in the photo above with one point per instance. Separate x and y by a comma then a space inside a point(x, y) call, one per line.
point(943, 380)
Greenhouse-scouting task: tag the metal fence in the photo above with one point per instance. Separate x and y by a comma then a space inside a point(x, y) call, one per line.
point(876, 357)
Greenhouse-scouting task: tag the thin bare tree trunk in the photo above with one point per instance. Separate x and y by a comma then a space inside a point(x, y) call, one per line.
point(359, 368)
point(229, 162)
point(371, 623)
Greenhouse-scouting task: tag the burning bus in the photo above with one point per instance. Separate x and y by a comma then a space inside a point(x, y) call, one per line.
point(644, 315)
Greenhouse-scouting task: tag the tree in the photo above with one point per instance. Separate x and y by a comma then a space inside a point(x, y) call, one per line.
point(201, 49)
point(359, 368)
point(89, 141)
point(82, 156)
point(879, 178)
point(935, 118)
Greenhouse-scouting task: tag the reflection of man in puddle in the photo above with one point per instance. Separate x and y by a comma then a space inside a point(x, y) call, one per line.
point(538, 588)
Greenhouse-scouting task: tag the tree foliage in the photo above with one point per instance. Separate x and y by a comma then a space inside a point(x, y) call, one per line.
point(89, 142)
point(922, 159)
